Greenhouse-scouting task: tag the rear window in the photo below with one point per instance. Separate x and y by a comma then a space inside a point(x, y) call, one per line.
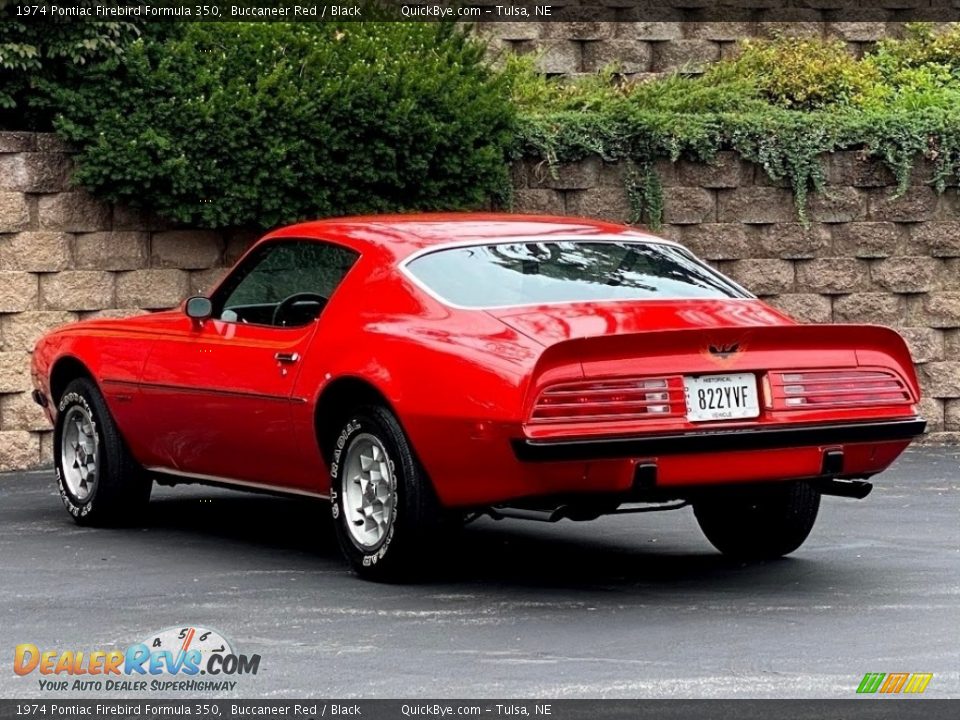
point(528, 273)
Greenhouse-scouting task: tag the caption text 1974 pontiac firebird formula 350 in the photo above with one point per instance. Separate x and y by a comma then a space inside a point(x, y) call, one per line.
point(422, 370)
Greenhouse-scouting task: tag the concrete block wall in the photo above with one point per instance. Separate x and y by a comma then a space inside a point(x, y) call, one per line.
point(865, 257)
point(644, 49)
point(65, 256)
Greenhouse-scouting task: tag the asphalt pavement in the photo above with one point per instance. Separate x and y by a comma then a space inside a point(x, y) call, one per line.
point(627, 606)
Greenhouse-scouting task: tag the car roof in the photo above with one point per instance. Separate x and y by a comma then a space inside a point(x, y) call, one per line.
point(403, 235)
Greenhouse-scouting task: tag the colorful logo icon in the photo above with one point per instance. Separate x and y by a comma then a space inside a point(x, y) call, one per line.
point(894, 683)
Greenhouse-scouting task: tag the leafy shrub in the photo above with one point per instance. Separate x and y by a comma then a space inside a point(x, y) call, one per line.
point(782, 104)
point(799, 73)
point(923, 47)
point(259, 124)
point(34, 54)
point(696, 96)
point(919, 71)
point(532, 92)
point(265, 123)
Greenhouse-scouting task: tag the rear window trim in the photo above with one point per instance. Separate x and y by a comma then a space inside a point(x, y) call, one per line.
point(523, 239)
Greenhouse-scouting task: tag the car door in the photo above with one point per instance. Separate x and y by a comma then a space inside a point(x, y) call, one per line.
point(219, 394)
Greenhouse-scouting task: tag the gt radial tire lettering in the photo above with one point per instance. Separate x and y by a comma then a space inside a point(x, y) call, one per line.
point(373, 558)
point(75, 510)
point(351, 428)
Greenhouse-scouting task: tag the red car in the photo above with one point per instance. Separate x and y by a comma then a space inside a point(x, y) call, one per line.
point(421, 370)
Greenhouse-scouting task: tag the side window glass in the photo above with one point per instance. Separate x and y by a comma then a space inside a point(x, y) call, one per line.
point(285, 283)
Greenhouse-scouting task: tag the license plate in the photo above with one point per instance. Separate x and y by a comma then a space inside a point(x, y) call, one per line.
point(721, 397)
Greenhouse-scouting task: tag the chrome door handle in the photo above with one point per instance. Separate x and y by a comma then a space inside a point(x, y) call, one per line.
point(288, 358)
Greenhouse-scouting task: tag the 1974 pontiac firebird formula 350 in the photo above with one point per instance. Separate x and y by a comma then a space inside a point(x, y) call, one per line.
point(421, 370)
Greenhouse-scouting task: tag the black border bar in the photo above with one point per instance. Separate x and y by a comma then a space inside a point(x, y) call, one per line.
point(490, 11)
point(709, 441)
point(897, 707)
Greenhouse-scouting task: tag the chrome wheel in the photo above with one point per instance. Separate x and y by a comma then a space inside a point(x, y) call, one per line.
point(369, 491)
point(79, 447)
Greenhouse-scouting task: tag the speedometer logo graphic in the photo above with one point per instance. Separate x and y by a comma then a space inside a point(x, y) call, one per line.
point(183, 639)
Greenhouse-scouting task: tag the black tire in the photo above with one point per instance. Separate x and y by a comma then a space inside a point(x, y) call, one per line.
point(416, 516)
point(121, 489)
point(760, 524)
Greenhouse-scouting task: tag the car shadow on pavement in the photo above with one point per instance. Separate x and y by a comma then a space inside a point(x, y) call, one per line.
point(523, 555)
point(524, 558)
point(263, 523)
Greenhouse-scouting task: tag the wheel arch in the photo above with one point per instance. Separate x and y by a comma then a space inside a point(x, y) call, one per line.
point(336, 401)
point(65, 370)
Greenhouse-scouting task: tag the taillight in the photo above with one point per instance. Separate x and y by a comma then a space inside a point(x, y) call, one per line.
point(620, 399)
point(823, 389)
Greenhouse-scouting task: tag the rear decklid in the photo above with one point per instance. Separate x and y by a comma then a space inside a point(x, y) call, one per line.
point(725, 349)
point(696, 336)
point(598, 359)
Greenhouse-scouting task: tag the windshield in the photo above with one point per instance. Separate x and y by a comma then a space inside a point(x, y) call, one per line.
point(531, 273)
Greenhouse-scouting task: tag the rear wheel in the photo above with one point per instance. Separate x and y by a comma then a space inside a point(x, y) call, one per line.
point(762, 524)
point(99, 481)
point(384, 508)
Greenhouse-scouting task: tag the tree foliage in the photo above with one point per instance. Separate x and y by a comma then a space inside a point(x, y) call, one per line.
point(783, 104)
point(48, 50)
point(260, 124)
point(219, 124)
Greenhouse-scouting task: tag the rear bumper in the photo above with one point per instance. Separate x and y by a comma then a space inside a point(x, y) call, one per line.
point(713, 441)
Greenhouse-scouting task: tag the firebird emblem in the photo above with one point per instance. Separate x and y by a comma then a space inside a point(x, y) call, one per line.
point(724, 351)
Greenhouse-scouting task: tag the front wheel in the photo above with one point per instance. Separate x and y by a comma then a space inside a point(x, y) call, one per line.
point(99, 481)
point(384, 508)
point(760, 524)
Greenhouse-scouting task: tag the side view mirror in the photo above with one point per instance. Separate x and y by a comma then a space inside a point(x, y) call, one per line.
point(198, 308)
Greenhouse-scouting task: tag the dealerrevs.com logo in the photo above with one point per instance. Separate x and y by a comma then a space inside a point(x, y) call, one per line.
point(187, 659)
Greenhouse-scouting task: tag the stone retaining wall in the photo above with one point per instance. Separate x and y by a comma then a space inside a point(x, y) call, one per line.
point(866, 258)
point(642, 49)
point(65, 256)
